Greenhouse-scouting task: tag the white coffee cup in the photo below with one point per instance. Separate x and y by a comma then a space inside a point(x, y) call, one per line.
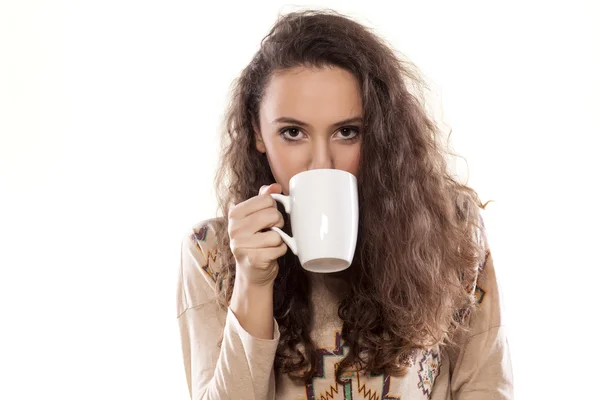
point(323, 208)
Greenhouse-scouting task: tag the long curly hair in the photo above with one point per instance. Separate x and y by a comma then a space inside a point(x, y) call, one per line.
point(417, 254)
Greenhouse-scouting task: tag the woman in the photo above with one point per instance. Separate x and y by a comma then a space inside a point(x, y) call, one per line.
point(416, 316)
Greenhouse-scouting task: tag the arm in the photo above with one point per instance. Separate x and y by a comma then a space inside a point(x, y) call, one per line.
point(481, 368)
point(253, 307)
point(242, 367)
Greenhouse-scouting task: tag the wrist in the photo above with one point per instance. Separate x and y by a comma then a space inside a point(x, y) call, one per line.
point(246, 283)
point(249, 295)
point(257, 279)
point(252, 305)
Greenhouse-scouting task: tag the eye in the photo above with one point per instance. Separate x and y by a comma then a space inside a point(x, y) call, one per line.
point(348, 133)
point(292, 134)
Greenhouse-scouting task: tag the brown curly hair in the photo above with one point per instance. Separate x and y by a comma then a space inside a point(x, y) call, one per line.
point(417, 254)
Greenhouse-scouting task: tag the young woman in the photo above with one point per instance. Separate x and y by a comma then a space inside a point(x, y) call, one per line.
point(416, 316)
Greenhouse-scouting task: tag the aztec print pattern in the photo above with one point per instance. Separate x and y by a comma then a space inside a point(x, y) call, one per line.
point(356, 386)
point(210, 255)
point(429, 369)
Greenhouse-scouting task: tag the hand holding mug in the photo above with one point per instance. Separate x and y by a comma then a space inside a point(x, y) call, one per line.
point(255, 250)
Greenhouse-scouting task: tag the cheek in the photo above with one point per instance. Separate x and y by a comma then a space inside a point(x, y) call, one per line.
point(348, 158)
point(285, 161)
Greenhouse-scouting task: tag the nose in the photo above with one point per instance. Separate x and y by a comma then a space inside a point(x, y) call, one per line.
point(321, 155)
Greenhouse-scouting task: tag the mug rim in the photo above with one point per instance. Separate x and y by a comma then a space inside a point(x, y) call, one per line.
point(320, 170)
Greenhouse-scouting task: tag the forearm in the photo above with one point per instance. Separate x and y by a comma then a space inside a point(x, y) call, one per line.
point(253, 307)
point(240, 367)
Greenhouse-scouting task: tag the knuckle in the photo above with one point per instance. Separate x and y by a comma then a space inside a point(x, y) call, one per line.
point(233, 243)
point(234, 229)
point(232, 213)
point(274, 216)
point(278, 239)
point(273, 239)
point(263, 200)
point(237, 254)
point(267, 200)
point(280, 221)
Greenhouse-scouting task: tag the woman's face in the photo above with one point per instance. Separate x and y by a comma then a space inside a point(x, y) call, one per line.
point(309, 119)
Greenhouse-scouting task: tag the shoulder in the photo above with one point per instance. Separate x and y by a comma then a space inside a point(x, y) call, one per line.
point(485, 267)
point(200, 264)
point(201, 244)
point(486, 292)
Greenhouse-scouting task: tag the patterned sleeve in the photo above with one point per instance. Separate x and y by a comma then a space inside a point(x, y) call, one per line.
point(482, 367)
point(221, 359)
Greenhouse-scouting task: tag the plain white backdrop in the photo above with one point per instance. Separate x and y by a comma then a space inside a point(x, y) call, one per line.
point(109, 119)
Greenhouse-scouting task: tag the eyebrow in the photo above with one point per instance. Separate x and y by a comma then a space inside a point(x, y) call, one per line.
point(288, 120)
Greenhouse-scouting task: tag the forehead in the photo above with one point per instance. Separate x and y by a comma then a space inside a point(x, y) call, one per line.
point(312, 95)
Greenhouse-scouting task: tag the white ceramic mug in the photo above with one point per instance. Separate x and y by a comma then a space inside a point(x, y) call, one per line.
point(323, 208)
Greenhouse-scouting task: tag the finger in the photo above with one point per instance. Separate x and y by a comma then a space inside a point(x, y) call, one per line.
point(263, 219)
point(260, 240)
point(274, 188)
point(265, 256)
point(251, 206)
point(273, 253)
point(255, 223)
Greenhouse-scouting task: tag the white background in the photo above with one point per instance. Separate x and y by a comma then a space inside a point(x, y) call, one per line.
point(109, 118)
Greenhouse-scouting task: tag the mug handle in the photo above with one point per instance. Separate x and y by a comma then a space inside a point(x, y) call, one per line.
point(290, 241)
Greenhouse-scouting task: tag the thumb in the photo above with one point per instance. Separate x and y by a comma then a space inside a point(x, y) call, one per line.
point(269, 189)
